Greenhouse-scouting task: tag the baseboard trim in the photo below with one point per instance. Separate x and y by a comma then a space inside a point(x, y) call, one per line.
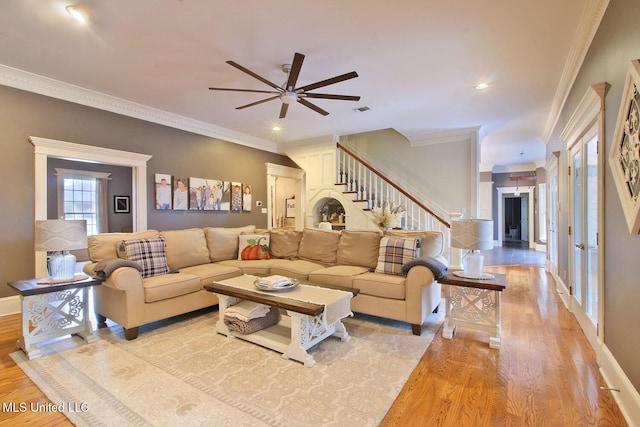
point(563, 291)
point(10, 305)
point(627, 398)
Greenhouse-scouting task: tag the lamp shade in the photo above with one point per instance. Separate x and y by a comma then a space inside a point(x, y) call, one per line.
point(472, 234)
point(55, 235)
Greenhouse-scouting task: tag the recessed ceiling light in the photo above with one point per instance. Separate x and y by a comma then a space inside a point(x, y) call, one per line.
point(276, 128)
point(76, 14)
point(482, 86)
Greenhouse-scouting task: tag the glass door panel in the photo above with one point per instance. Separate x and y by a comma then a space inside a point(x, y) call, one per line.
point(576, 233)
point(591, 214)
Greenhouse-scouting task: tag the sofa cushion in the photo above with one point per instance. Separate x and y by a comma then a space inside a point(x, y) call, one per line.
point(431, 242)
point(284, 243)
point(104, 246)
point(186, 248)
point(340, 275)
point(223, 242)
point(167, 286)
point(381, 285)
point(295, 269)
point(149, 253)
point(319, 246)
point(261, 267)
point(253, 246)
point(359, 248)
point(209, 273)
point(394, 253)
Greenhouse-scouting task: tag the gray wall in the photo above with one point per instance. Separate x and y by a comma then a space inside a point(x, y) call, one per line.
point(175, 152)
point(617, 42)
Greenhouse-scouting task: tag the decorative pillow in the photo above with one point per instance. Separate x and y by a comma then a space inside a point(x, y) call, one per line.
point(149, 253)
point(253, 246)
point(394, 253)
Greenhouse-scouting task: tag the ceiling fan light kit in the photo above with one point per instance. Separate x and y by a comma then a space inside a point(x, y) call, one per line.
point(288, 93)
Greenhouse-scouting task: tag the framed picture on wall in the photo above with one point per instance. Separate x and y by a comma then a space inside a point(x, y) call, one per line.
point(246, 198)
point(180, 193)
point(121, 204)
point(623, 157)
point(163, 191)
point(290, 208)
point(236, 197)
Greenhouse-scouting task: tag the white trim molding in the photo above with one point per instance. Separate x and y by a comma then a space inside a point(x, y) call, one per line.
point(590, 19)
point(622, 390)
point(45, 148)
point(35, 83)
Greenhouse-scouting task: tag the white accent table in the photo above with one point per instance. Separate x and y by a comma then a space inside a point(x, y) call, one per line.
point(53, 310)
point(473, 303)
point(308, 319)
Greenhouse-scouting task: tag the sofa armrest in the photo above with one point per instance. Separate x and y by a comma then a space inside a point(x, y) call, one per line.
point(423, 294)
point(438, 265)
point(121, 297)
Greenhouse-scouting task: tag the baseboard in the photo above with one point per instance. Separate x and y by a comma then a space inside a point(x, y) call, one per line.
point(541, 247)
point(10, 305)
point(627, 398)
point(563, 291)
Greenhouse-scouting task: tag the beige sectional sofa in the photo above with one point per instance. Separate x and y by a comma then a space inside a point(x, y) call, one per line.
point(195, 257)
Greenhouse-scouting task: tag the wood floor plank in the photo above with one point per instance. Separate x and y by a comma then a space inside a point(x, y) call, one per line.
point(545, 374)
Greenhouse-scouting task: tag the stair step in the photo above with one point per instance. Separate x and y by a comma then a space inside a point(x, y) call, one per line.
point(349, 192)
point(360, 200)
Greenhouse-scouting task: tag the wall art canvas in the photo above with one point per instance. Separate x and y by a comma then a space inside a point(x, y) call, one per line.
point(201, 194)
point(163, 191)
point(225, 204)
point(236, 196)
point(246, 198)
point(624, 157)
point(180, 193)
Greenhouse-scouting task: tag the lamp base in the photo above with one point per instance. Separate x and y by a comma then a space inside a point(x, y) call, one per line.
point(62, 267)
point(473, 264)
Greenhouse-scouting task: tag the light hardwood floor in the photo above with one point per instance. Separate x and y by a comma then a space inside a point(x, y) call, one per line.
point(544, 375)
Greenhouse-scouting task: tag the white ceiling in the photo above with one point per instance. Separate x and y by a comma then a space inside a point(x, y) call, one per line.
point(418, 62)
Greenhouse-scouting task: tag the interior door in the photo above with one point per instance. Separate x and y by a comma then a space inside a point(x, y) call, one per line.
point(584, 244)
point(552, 215)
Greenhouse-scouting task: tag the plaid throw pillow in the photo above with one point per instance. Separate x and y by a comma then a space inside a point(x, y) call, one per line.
point(394, 253)
point(149, 253)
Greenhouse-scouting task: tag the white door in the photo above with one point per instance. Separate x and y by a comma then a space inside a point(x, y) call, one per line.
point(552, 215)
point(583, 239)
point(524, 218)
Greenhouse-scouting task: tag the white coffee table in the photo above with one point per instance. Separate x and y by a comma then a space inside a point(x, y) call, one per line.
point(313, 314)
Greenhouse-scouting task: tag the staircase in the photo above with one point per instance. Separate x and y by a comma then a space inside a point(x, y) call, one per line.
point(370, 189)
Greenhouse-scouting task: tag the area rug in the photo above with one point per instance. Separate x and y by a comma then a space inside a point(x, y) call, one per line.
point(181, 373)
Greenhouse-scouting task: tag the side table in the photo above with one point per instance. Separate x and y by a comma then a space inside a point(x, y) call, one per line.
point(53, 310)
point(473, 303)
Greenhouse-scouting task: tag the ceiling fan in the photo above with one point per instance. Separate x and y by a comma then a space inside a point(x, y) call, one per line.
point(288, 93)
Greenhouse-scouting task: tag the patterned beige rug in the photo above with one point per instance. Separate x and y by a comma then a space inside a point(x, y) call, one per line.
point(181, 373)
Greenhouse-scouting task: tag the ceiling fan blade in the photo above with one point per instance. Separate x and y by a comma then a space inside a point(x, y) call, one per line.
point(329, 96)
point(243, 90)
point(254, 75)
point(258, 102)
point(283, 110)
point(313, 107)
point(327, 82)
point(298, 58)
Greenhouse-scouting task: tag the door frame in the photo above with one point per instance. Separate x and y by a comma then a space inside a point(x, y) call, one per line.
point(502, 192)
point(589, 115)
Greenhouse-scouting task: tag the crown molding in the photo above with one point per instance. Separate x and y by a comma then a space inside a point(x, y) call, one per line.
point(587, 27)
point(35, 83)
point(445, 136)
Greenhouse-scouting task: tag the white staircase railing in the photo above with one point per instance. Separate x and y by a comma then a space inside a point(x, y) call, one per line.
point(372, 189)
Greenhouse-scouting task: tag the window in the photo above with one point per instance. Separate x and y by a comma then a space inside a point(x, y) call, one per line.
point(77, 196)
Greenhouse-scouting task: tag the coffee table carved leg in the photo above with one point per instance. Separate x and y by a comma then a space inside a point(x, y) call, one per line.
point(301, 334)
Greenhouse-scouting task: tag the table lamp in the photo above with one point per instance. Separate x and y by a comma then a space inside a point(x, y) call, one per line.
point(473, 235)
point(60, 236)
